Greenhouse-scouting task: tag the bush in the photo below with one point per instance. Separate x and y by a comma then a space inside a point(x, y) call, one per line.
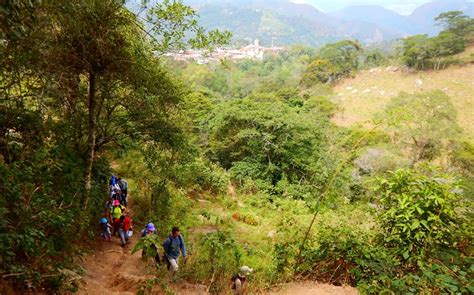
point(463, 156)
point(217, 260)
point(42, 218)
point(420, 244)
point(375, 161)
point(420, 213)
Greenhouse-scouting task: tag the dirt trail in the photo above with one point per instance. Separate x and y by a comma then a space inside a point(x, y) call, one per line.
point(312, 288)
point(111, 269)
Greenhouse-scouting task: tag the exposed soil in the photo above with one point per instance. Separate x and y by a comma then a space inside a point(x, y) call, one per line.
point(312, 288)
point(111, 269)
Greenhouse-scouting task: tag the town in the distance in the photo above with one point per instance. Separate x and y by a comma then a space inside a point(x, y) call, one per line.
point(252, 51)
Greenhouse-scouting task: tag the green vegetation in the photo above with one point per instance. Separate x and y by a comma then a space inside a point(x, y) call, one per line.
point(243, 156)
point(424, 121)
point(333, 62)
point(422, 52)
point(79, 79)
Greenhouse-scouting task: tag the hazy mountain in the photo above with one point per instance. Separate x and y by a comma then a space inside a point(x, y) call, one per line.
point(281, 21)
point(423, 16)
point(284, 22)
point(377, 15)
point(420, 21)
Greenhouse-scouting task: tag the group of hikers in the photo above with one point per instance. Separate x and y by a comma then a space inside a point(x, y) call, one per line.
point(117, 221)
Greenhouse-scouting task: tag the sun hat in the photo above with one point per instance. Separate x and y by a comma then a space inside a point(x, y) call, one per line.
point(150, 226)
point(245, 270)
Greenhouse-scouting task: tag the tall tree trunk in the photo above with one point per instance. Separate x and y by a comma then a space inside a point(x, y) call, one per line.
point(91, 136)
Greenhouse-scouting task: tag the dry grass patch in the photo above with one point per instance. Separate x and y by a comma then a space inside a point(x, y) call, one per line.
point(369, 92)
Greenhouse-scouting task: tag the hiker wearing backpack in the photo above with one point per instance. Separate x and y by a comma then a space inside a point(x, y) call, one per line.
point(124, 228)
point(114, 188)
point(116, 211)
point(150, 230)
point(123, 184)
point(172, 246)
point(239, 280)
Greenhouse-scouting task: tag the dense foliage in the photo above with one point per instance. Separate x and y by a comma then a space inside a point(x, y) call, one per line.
point(243, 156)
point(422, 52)
point(78, 79)
point(425, 121)
point(333, 62)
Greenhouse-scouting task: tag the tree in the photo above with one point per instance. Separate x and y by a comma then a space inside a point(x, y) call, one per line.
point(97, 41)
point(93, 43)
point(424, 121)
point(416, 51)
point(333, 61)
point(344, 55)
point(264, 138)
point(175, 26)
point(419, 212)
point(419, 51)
point(456, 22)
point(445, 44)
point(318, 71)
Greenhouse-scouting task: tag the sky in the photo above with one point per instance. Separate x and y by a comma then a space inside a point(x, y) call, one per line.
point(400, 6)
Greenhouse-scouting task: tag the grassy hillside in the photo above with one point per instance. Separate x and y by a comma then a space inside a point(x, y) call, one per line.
point(360, 98)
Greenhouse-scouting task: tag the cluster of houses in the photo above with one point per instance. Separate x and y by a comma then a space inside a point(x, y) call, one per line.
point(252, 51)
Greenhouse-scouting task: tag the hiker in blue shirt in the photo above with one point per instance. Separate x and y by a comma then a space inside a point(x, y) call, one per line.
point(172, 246)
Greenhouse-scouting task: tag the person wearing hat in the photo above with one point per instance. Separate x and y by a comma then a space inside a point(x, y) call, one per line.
point(150, 230)
point(239, 280)
point(104, 223)
point(116, 211)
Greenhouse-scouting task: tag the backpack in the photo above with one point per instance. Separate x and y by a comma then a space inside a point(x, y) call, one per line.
point(123, 184)
point(181, 243)
point(112, 211)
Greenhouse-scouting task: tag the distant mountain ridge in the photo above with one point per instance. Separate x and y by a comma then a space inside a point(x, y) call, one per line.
point(420, 21)
point(423, 16)
point(377, 15)
point(283, 22)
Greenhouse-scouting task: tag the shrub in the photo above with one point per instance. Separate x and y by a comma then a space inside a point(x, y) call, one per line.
point(419, 212)
point(420, 244)
point(463, 156)
point(217, 260)
point(377, 160)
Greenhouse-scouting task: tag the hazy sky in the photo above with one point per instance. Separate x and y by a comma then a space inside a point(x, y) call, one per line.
point(400, 6)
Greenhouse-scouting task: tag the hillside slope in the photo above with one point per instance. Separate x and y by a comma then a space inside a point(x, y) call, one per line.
point(360, 98)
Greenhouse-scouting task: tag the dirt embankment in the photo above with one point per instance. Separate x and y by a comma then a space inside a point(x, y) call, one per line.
point(111, 269)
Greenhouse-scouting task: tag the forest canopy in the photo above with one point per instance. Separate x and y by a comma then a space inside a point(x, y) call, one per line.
point(244, 156)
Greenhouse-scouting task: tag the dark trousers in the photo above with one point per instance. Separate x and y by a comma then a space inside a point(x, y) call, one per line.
point(157, 256)
point(123, 197)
